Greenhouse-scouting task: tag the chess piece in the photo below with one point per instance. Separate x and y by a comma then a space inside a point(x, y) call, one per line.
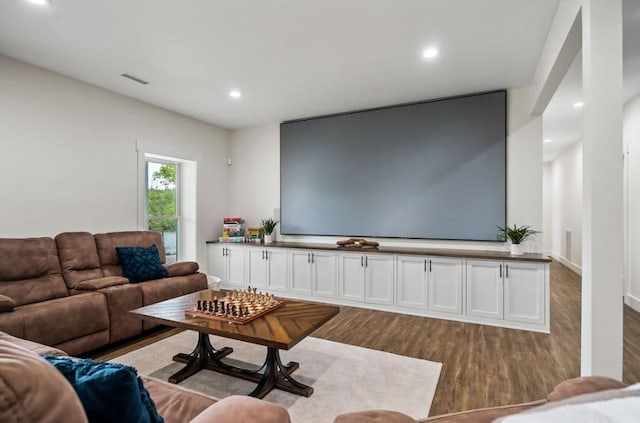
point(210, 307)
point(199, 305)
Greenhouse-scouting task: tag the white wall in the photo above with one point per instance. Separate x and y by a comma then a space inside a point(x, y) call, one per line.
point(69, 159)
point(563, 206)
point(255, 176)
point(631, 137)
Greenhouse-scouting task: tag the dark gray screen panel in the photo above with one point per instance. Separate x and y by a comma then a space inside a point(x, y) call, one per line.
point(430, 170)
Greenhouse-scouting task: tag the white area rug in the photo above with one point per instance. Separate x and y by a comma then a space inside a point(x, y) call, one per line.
point(344, 378)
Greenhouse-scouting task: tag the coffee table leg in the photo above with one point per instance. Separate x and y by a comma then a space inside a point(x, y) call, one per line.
point(198, 359)
point(278, 375)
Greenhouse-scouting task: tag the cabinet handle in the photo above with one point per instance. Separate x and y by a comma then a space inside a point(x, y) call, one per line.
point(506, 268)
point(366, 262)
point(313, 259)
point(308, 257)
point(429, 265)
point(361, 261)
point(500, 270)
point(224, 251)
point(262, 254)
point(425, 265)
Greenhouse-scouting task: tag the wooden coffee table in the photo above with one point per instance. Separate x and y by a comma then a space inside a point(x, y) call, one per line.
point(278, 330)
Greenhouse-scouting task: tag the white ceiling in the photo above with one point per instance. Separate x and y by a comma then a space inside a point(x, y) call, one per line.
point(289, 58)
point(563, 123)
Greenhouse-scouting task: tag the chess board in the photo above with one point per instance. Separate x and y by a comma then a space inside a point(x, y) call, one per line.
point(239, 306)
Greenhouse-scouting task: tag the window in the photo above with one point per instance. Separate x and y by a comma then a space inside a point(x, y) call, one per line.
point(163, 203)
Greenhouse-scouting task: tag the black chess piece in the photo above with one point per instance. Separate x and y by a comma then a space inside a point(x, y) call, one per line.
point(222, 309)
point(246, 311)
point(234, 312)
point(199, 305)
point(210, 307)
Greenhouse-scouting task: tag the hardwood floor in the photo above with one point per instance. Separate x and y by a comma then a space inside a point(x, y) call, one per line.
point(482, 365)
point(486, 366)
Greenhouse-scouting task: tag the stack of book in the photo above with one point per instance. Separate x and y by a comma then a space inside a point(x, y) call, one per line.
point(253, 235)
point(232, 230)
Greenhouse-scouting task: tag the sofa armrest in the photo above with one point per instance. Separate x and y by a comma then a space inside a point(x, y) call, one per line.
point(243, 409)
point(99, 283)
point(374, 416)
point(6, 303)
point(583, 385)
point(182, 268)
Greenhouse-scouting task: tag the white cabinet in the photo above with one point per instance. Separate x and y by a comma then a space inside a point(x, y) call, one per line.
point(228, 263)
point(367, 277)
point(351, 277)
point(411, 282)
point(268, 269)
point(525, 295)
point(485, 288)
point(445, 284)
point(313, 273)
point(511, 290)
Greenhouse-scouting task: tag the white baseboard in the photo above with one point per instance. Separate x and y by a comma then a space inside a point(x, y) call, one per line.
point(566, 262)
point(632, 302)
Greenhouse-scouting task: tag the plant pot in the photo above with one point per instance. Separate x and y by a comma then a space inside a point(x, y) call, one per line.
point(268, 239)
point(516, 249)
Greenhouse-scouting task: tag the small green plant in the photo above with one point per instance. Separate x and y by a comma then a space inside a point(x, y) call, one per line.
point(516, 234)
point(269, 225)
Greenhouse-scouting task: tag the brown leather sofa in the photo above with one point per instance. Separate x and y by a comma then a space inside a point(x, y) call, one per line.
point(580, 390)
point(32, 390)
point(70, 293)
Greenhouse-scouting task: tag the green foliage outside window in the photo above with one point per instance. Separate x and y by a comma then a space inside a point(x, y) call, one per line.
point(161, 199)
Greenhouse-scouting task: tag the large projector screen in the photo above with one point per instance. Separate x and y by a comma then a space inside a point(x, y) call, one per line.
point(433, 170)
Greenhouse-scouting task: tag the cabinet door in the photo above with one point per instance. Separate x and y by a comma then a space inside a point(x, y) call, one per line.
point(323, 274)
point(300, 271)
point(257, 268)
point(218, 262)
point(351, 277)
point(525, 292)
point(411, 290)
point(445, 285)
point(485, 288)
point(379, 278)
point(235, 267)
point(277, 269)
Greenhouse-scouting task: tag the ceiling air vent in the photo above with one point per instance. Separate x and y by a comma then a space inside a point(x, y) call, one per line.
point(135, 78)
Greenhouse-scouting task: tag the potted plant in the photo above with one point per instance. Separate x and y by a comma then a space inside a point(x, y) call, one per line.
point(268, 226)
point(516, 234)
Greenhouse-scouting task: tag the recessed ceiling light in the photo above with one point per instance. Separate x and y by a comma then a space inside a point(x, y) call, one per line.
point(430, 53)
point(578, 104)
point(39, 2)
point(548, 140)
point(235, 94)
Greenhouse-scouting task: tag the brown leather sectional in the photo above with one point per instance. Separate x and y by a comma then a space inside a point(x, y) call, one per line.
point(69, 292)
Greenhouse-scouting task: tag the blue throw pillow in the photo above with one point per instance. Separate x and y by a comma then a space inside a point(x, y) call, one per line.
point(141, 264)
point(109, 392)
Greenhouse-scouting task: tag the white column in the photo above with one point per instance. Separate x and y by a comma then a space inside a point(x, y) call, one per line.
point(603, 248)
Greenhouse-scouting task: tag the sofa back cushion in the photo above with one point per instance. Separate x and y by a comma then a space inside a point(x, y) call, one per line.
point(107, 243)
point(32, 390)
point(78, 257)
point(30, 271)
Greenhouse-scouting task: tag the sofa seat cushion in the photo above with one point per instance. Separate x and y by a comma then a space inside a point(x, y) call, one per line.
point(245, 410)
point(175, 403)
point(109, 392)
point(55, 321)
point(182, 268)
point(120, 300)
point(141, 264)
point(100, 283)
point(32, 390)
point(30, 270)
point(6, 303)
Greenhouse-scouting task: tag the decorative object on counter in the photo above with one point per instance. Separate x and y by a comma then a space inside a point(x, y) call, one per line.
point(253, 235)
point(269, 225)
point(232, 230)
point(357, 243)
point(517, 235)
